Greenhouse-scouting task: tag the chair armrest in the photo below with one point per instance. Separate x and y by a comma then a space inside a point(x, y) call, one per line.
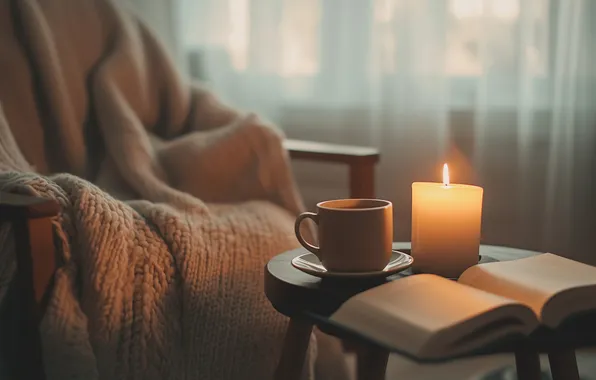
point(31, 218)
point(28, 295)
point(317, 151)
point(27, 298)
point(361, 161)
point(15, 206)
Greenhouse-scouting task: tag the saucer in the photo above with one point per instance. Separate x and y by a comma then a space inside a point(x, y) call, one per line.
point(310, 263)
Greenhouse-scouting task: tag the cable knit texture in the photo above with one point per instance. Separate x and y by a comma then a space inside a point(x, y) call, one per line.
point(172, 202)
point(150, 291)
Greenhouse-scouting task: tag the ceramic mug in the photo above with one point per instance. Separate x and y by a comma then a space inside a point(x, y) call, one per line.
point(355, 235)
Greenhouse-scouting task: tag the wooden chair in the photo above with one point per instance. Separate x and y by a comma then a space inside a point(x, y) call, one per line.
point(31, 220)
point(26, 299)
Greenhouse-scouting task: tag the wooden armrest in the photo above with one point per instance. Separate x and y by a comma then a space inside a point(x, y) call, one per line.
point(28, 295)
point(13, 206)
point(361, 161)
point(31, 219)
point(317, 151)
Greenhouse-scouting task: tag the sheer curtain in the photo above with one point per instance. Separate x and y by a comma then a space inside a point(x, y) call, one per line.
point(502, 90)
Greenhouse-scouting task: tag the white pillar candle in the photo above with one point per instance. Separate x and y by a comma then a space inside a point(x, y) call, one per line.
point(445, 226)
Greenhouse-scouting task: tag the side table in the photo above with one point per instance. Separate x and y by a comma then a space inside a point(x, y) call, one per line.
point(309, 301)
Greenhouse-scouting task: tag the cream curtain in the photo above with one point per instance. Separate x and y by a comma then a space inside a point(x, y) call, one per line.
point(502, 90)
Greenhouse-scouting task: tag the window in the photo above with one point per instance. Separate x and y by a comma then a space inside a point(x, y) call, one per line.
point(497, 34)
point(300, 38)
point(334, 49)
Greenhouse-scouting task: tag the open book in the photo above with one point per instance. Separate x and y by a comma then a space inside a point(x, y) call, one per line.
point(428, 316)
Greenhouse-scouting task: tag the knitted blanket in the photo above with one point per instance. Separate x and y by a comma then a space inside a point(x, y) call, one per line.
point(172, 202)
point(152, 291)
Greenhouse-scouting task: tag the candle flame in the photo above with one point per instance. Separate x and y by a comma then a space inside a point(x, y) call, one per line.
point(445, 175)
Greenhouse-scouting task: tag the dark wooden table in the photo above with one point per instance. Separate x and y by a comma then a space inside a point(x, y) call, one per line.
point(309, 301)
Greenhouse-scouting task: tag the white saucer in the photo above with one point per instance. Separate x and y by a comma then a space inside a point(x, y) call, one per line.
point(310, 263)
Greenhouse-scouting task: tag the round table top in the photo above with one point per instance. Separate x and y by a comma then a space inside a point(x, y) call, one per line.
point(295, 293)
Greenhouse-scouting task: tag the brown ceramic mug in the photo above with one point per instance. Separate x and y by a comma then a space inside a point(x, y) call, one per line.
point(355, 235)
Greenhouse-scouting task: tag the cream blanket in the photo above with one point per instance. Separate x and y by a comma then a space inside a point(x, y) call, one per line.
point(172, 205)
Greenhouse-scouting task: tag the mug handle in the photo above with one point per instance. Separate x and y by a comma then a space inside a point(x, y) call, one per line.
point(315, 218)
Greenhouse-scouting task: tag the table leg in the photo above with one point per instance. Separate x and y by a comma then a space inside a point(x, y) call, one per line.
point(527, 363)
point(372, 362)
point(291, 362)
point(563, 365)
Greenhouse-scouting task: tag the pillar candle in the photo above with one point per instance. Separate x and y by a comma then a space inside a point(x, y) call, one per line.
point(445, 226)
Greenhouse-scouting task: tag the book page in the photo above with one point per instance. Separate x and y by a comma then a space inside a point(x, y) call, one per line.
point(536, 281)
point(412, 312)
